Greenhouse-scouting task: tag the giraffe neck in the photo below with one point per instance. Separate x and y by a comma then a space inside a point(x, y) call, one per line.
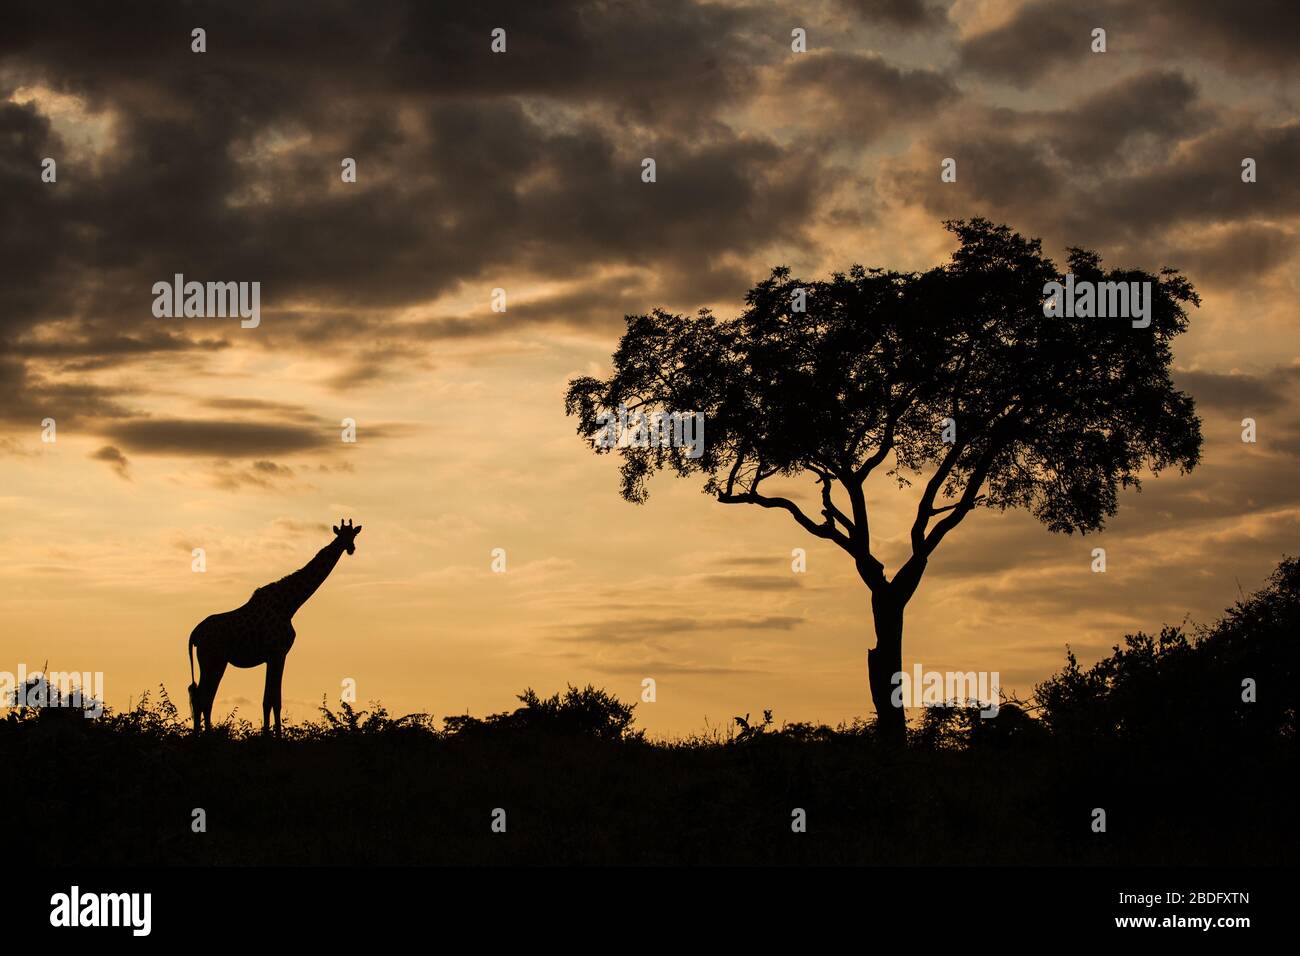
point(302, 584)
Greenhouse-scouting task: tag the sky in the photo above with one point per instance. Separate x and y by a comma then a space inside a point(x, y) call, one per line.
point(521, 171)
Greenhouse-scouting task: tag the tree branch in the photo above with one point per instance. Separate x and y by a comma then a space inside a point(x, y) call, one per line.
point(967, 501)
point(925, 508)
point(828, 506)
point(826, 530)
point(887, 439)
point(735, 470)
point(870, 569)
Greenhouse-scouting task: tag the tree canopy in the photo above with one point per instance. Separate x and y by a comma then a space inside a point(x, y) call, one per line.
point(840, 377)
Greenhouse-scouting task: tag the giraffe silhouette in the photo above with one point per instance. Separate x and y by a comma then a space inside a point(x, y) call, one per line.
point(260, 632)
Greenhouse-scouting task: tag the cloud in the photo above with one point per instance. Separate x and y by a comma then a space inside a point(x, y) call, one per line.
point(1152, 109)
point(218, 439)
point(1226, 257)
point(297, 528)
point(1106, 173)
point(912, 14)
point(831, 88)
point(630, 630)
point(1236, 393)
point(116, 460)
point(1045, 35)
point(661, 666)
point(1202, 183)
point(259, 474)
point(240, 404)
point(1040, 35)
point(248, 145)
point(27, 397)
point(107, 347)
point(753, 582)
point(524, 144)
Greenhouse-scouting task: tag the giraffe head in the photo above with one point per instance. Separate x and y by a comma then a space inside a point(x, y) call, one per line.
point(347, 534)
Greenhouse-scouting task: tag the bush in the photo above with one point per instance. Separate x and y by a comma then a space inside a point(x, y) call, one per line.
point(1179, 688)
point(589, 712)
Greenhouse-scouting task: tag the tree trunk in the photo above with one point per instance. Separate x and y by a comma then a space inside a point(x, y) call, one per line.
point(883, 662)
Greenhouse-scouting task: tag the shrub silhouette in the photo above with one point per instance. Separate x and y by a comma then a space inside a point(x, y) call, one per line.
point(588, 712)
point(350, 721)
point(1157, 732)
point(1178, 687)
point(960, 725)
point(750, 731)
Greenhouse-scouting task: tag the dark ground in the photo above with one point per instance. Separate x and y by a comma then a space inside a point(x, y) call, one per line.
point(404, 794)
point(1157, 735)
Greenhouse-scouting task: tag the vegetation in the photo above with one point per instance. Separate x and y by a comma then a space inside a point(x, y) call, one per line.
point(953, 373)
point(1157, 734)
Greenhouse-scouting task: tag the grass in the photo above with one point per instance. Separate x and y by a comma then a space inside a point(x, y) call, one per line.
point(362, 787)
point(1189, 767)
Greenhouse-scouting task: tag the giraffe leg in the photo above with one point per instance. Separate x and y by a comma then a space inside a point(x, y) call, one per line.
point(279, 680)
point(271, 697)
point(211, 671)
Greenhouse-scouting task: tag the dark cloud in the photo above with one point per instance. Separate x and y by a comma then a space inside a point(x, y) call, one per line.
point(863, 89)
point(109, 347)
point(1046, 35)
point(1152, 109)
point(1040, 35)
point(261, 474)
point(358, 373)
point(218, 439)
point(240, 404)
point(224, 165)
point(1019, 178)
point(1235, 254)
point(756, 562)
point(27, 397)
point(1249, 37)
point(115, 459)
point(1202, 184)
point(1124, 186)
point(1235, 394)
point(913, 14)
point(298, 528)
point(645, 56)
point(1018, 163)
point(39, 247)
point(479, 170)
point(633, 630)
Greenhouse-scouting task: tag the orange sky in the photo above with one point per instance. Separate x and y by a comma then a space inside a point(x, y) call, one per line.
point(524, 175)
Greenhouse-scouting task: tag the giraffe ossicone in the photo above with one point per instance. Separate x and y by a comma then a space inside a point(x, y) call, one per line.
point(260, 632)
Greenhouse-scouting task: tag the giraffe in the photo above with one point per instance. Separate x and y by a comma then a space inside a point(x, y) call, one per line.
point(260, 632)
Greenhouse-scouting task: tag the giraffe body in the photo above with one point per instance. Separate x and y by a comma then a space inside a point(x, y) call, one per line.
point(259, 632)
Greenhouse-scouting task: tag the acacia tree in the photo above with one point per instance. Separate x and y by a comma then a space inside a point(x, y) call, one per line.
point(952, 378)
